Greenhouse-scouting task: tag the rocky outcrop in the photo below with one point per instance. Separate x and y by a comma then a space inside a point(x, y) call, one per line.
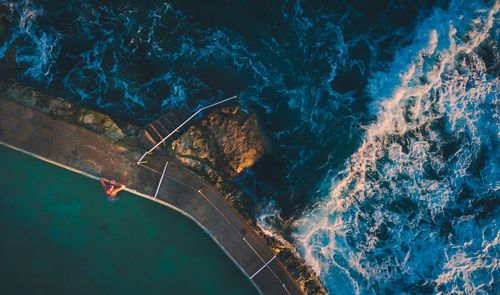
point(224, 144)
point(59, 108)
point(99, 122)
point(305, 277)
point(238, 137)
point(55, 106)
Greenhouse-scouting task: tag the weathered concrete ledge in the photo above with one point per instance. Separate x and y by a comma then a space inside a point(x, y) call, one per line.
point(94, 155)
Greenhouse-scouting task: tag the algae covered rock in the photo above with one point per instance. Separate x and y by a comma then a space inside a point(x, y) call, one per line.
point(228, 141)
point(61, 109)
point(100, 122)
point(36, 99)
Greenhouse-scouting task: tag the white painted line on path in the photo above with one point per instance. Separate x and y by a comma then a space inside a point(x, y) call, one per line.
point(161, 179)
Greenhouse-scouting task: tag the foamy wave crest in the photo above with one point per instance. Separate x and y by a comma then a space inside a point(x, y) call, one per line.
point(414, 209)
point(37, 49)
point(137, 60)
point(271, 224)
point(128, 58)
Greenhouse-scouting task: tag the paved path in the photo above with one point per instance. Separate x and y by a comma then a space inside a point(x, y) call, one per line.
point(84, 151)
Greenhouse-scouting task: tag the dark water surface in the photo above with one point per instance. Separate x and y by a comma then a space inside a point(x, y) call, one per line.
point(61, 236)
point(384, 117)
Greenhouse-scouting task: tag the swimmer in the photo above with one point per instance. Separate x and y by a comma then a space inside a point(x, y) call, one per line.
point(111, 187)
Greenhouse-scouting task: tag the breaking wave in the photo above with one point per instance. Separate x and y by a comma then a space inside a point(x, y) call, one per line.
point(390, 133)
point(416, 208)
point(139, 60)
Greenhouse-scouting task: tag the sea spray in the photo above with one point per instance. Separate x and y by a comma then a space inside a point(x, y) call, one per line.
point(318, 73)
point(303, 66)
point(409, 211)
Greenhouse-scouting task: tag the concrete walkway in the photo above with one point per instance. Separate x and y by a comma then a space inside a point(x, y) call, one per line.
point(92, 154)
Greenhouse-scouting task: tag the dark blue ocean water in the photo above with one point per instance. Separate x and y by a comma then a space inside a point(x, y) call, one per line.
point(384, 117)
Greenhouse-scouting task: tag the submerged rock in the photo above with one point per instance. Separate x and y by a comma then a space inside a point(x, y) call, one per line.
point(224, 144)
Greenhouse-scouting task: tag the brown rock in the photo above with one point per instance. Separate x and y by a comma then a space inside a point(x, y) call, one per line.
point(30, 97)
point(228, 140)
point(194, 150)
point(100, 123)
point(61, 109)
point(239, 138)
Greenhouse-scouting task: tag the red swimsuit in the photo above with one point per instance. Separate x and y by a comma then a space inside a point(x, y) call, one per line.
point(109, 190)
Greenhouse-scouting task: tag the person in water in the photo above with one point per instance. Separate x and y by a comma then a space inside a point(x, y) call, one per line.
point(111, 188)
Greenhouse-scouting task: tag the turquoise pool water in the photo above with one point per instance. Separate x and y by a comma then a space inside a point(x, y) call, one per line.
point(61, 236)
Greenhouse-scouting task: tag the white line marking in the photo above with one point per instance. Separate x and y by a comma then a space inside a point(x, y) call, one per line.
point(286, 289)
point(143, 195)
point(150, 169)
point(170, 177)
point(161, 179)
point(199, 191)
point(253, 249)
point(218, 211)
point(275, 275)
point(244, 239)
point(263, 267)
point(184, 123)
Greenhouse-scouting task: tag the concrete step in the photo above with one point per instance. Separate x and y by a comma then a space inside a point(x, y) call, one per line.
point(162, 129)
point(173, 118)
point(151, 133)
point(148, 139)
point(166, 124)
point(159, 136)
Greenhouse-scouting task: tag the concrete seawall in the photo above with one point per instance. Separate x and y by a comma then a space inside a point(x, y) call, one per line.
point(81, 150)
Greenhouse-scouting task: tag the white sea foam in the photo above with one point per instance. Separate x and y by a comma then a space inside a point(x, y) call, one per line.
point(381, 222)
point(39, 57)
point(384, 221)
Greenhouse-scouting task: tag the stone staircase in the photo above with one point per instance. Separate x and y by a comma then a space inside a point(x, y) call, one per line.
point(155, 131)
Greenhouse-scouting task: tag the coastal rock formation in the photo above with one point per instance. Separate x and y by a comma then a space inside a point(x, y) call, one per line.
point(59, 108)
point(239, 138)
point(54, 106)
point(227, 142)
point(100, 122)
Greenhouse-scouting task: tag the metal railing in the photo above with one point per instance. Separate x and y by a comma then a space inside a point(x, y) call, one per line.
point(180, 126)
